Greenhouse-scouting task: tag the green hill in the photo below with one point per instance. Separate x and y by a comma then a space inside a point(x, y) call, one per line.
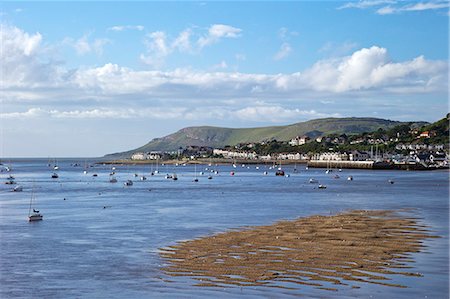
point(219, 137)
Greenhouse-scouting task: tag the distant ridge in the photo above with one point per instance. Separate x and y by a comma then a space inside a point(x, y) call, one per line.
point(220, 137)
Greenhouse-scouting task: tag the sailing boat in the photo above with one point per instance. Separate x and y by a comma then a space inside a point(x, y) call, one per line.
point(195, 173)
point(35, 216)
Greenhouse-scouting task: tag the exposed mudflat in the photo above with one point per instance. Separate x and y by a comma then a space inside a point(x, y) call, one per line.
point(321, 251)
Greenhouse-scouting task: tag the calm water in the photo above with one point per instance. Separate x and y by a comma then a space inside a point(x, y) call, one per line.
point(83, 250)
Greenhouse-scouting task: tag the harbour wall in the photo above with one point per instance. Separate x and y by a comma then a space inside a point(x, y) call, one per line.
point(341, 164)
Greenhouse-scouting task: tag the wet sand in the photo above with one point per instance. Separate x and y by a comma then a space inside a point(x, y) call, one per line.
point(320, 251)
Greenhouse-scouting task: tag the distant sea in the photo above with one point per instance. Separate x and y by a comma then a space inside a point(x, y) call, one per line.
point(101, 240)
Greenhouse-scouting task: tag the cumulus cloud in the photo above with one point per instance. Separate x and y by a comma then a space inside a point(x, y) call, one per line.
point(159, 45)
point(217, 32)
point(32, 80)
point(23, 61)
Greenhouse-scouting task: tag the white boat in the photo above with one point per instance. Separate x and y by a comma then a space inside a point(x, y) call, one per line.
point(35, 215)
point(350, 178)
point(322, 187)
point(18, 189)
point(391, 181)
point(143, 178)
point(313, 181)
point(174, 177)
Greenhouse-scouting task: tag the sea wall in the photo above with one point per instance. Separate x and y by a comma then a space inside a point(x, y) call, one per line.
point(341, 164)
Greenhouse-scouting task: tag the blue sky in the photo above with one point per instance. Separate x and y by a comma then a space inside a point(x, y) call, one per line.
point(91, 78)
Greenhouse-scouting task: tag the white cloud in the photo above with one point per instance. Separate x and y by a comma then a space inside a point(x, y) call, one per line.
point(84, 46)
point(427, 6)
point(338, 49)
point(277, 114)
point(222, 65)
point(30, 79)
point(366, 4)
point(17, 42)
point(23, 61)
point(285, 50)
point(160, 46)
point(182, 42)
point(393, 6)
point(217, 32)
point(386, 10)
point(126, 27)
point(284, 33)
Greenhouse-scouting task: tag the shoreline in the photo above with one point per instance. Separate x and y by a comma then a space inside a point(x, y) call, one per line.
point(368, 165)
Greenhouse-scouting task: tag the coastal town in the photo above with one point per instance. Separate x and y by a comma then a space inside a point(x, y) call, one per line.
point(399, 148)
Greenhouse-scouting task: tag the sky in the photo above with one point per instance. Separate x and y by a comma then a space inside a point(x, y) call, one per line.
point(85, 79)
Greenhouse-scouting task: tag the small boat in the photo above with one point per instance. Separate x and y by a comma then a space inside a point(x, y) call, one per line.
point(313, 181)
point(18, 189)
point(391, 181)
point(95, 175)
point(322, 187)
point(210, 177)
point(128, 183)
point(195, 180)
point(174, 177)
point(55, 175)
point(56, 167)
point(10, 182)
point(287, 175)
point(113, 180)
point(10, 177)
point(169, 177)
point(136, 175)
point(35, 216)
point(232, 173)
point(279, 173)
point(143, 178)
point(350, 178)
point(265, 173)
point(336, 176)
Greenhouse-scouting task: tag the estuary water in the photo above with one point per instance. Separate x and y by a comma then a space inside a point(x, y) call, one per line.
point(101, 240)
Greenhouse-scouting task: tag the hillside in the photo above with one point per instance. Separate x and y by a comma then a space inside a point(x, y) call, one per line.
point(219, 137)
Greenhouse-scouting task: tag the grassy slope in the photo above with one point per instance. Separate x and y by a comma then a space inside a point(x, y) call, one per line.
point(219, 137)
